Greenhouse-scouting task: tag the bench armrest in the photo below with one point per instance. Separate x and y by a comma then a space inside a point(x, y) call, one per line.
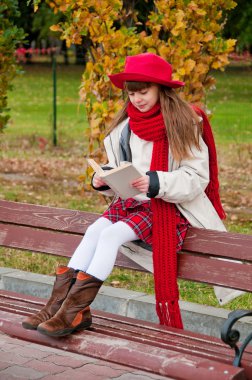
point(231, 337)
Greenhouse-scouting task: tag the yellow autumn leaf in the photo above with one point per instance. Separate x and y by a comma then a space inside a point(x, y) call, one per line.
point(197, 47)
point(175, 32)
point(180, 15)
point(55, 28)
point(176, 76)
point(148, 41)
point(201, 68)
point(95, 122)
point(216, 65)
point(164, 51)
point(200, 12)
point(208, 37)
point(179, 25)
point(230, 44)
point(189, 66)
point(181, 71)
point(89, 66)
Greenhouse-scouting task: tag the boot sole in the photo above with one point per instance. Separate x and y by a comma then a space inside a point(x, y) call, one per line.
point(27, 326)
point(64, 332)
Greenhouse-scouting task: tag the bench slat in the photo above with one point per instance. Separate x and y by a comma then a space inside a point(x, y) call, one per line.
point(46, 217)
point(136, 330)
point(32, 239)
point(50, 242)
point(216, 243)
point(214, 271)
point(202, 269)
point(122, 350)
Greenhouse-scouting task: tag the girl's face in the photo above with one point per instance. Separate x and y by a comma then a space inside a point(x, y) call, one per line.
point(144, 99)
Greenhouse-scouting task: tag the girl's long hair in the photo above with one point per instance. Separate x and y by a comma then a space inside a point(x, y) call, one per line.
point(182, 123)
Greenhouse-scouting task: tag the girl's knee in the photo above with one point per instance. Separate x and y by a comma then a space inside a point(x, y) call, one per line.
point(91, 230)
point(116, 233)
point(107, 233)
point(97, 227)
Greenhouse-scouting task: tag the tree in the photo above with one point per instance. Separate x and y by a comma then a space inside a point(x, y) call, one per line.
point(186, 33)
point(37, 26)
point(238, 25)
point(10, 37)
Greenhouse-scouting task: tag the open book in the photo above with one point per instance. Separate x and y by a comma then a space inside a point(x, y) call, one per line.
point(118, 179)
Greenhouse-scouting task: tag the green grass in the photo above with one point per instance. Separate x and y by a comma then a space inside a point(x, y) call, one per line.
point(32, 98)
point(54, 171)
point(31, 103)
point(231, 105)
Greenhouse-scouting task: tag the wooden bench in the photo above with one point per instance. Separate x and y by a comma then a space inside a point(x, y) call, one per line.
point(176, 354)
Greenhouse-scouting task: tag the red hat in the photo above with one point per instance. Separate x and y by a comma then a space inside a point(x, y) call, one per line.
point(146, 67)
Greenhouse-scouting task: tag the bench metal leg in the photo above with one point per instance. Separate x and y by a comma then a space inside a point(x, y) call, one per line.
point(231, 337)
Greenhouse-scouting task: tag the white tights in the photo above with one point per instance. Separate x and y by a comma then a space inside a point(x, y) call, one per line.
point(96, 253)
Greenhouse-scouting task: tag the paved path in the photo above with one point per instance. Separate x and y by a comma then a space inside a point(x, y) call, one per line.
point(21, 360)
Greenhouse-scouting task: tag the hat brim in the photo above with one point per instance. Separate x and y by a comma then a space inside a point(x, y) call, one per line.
point(119, 79)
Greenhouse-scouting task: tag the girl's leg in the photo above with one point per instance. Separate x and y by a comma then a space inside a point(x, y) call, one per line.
point(74, 313)
point(111, 238)
point(84, 252)
point(66, 276)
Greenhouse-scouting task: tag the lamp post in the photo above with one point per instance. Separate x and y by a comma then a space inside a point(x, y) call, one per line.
point(54, 66)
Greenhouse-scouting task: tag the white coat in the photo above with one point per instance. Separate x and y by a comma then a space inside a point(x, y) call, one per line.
point(184, 184)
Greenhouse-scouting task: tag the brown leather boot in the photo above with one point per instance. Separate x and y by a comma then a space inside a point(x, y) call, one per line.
point(73, 314)
point(65, 277)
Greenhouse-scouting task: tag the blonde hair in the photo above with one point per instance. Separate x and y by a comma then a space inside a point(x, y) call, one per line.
point(181, 121)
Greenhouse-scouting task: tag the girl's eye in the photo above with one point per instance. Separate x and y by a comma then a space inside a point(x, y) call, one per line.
point(142, 92)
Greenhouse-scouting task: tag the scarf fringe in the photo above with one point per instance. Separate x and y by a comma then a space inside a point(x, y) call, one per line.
point(169, 314)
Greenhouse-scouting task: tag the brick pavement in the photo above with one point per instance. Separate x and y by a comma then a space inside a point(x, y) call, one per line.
point(21, 360)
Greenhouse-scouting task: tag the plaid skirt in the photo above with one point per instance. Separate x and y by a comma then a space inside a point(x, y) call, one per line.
point(138, 215)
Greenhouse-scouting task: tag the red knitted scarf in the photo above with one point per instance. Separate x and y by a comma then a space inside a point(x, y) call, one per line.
point(212, 190)
point(150, 126)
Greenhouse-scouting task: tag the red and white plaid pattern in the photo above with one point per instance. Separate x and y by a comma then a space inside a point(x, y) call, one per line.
point(138, 215)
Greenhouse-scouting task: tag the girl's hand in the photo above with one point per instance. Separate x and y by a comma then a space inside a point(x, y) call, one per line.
point(97, 181)
point(141, 183)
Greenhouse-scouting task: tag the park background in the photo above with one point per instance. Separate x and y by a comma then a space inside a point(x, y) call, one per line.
point(35, 168)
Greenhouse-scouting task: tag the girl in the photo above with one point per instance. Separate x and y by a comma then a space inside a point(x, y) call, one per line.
point(164, 138)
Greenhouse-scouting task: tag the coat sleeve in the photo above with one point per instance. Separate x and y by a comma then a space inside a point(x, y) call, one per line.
point(187, 181)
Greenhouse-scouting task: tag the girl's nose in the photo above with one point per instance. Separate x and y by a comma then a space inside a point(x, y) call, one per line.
point(138, 99)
